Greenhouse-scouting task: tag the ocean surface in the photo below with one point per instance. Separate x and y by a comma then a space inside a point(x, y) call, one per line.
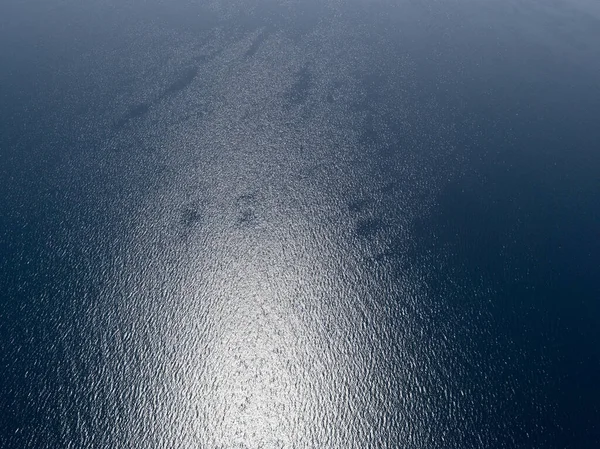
point(300, 224)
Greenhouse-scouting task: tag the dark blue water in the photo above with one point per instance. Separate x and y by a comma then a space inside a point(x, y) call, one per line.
point(264, 224)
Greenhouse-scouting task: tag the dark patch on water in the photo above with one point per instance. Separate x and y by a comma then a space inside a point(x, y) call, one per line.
point(258, 41)
point(202, 59)
point(183, 80)
point(190, 216)
point(136, 112)
point(245, 206)
point(247, 218)
point(357, 206)
point(246, 199)
point(369, 136)
point(368, 227)
point(300, 90)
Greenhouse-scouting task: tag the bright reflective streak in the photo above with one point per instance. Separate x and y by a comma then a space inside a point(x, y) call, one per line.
point(261, 262)
point(271, 368)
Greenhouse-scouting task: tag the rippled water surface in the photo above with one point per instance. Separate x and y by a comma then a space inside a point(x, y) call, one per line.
point(299, 224)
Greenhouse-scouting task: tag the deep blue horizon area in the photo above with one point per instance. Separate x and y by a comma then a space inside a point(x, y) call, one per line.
point(271, 224)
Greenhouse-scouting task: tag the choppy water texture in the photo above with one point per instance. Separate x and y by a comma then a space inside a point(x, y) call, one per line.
point(265, 224)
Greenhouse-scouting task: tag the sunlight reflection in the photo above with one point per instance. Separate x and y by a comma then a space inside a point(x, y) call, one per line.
point(269, 370)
